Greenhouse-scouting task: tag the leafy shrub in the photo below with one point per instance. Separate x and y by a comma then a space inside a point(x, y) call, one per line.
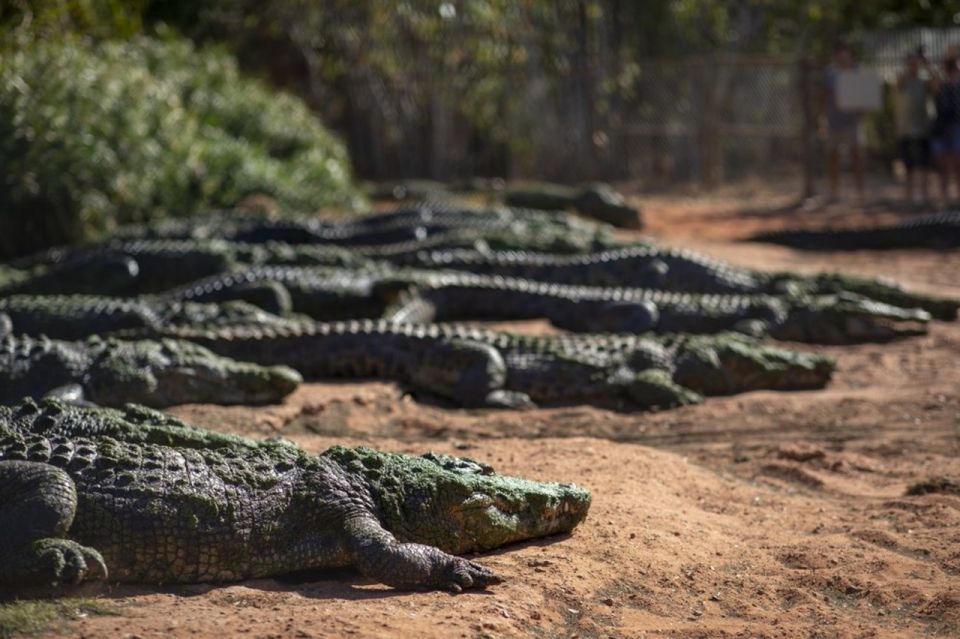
point(96, 135)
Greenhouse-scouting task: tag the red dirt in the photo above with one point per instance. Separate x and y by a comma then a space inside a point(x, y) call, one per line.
point(763, 514)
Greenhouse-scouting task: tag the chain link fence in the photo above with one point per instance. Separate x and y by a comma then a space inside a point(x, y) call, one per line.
point(660, 122)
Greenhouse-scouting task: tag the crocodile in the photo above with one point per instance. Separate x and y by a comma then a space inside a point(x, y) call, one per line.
point(600, 201)
point(73, 317)
point(596, 200)
point(128, 267)
point(112, 372)
point(426, 296)
point(320, 292)
point(404, 190)
point(637, 266)
point(476, 367)
point(936, 230)
point(549, 240)
point(136, 496)
point(880, 289)
point(521, 228)
point(421, 296)
point(89, 274)
point(646, 266)
point(137, 266)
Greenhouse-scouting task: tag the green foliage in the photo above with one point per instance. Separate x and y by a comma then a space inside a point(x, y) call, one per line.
point(95, 135)
point(20, 618)
point(26, 21)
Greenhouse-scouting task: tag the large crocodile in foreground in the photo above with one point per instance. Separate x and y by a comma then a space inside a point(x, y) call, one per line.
point(156, 373)
point(144, 498)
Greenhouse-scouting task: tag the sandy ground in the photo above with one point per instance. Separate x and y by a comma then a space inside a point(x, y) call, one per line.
point(764, 514)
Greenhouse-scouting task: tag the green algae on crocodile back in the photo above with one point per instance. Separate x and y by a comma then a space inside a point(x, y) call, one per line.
point(145, 498)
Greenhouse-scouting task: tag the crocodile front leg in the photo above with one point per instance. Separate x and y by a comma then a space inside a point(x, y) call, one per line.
point(412, 309)
point(272, 297)
point(470, 373)
point(608, 317)
point(37, 505)
point(378, 555)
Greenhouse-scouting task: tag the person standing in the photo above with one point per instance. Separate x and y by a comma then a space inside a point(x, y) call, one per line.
point(913, 123)
point(842, 128)
point(945, 136)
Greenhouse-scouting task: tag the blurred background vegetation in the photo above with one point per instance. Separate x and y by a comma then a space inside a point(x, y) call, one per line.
point(116, 110)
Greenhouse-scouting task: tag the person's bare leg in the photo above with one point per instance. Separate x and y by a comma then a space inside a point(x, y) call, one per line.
point(856, 159)
point(924, 177)
point(942, 171)
point(955, 160)
point(833, 171)
point(951, 169)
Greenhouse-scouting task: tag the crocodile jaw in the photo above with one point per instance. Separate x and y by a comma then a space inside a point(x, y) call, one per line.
point(849, 318)
point(459, 505)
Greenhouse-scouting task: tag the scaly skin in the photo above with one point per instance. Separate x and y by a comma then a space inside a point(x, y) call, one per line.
point(597, 200)
point(730, 363)
point(641, 266)
point(425, 296)
point(179, 251)
point(422, 296)
point(84, 492)
point(142, 266)
point(847, 318)
point(540, 195)
point(154, 373)
point(467, 365)
point(669, 269)
point(547, 239)
point(603, 203)
point(327, 293)
point(477, 367)
point(403, 224)
point(83, 275)
point(880, 290)
point(76, 316)
point(73, 317)
point(937, 230)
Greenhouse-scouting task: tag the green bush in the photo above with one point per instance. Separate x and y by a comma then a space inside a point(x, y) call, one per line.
point(96, 135)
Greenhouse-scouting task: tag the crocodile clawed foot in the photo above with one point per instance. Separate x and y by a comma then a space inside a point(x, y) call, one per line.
point(508, 399)
point(70, 394)
point(752, 327)
point(466, 574)
point(61, 561)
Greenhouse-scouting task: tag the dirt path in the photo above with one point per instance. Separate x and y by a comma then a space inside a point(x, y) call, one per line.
point(764, 514)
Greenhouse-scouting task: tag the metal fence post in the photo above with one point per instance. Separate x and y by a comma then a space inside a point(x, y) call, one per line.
point(808, 126)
